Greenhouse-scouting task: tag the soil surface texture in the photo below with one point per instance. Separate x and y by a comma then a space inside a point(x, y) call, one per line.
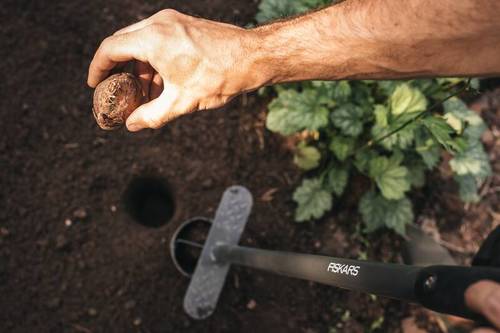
point(73, 258)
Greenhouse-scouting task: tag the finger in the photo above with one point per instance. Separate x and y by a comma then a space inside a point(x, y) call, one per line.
point(484, 330)
point(144, 72)
point(156, 86)
point(113, 50)
point(167, 107)
point(133, 27)
point(484, 297)
point(149, 115)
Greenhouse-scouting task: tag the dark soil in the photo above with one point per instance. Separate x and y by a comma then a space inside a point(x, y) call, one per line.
point(73, 260)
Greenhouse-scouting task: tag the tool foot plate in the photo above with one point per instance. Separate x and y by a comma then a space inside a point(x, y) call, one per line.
point(209, 277)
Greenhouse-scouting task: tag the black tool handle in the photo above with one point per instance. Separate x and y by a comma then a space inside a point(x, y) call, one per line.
point(442, 288)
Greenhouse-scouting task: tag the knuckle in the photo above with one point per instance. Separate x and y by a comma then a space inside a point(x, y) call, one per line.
point(169, 13)
point(106, 41)
point(105, 45)
point(165, 14)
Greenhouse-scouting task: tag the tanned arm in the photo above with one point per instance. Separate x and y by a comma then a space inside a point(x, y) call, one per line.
point(187, 64)
point(385, 39)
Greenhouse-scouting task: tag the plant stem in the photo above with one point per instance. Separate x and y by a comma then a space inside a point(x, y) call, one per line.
point(432, 107)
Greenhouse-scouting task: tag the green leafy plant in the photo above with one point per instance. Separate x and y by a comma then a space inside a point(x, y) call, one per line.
point(391, 132)
point(273, 9)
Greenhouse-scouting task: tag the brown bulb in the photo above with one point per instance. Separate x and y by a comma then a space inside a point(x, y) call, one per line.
point(115, 99)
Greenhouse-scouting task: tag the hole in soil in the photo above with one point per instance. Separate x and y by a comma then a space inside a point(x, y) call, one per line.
point(149, 201)
point(187, 243)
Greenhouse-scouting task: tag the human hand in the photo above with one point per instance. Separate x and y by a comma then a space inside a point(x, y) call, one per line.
point(484, 297)
point(184, 64)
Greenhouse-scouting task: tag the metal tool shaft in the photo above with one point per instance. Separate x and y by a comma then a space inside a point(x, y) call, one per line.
point(390, 280)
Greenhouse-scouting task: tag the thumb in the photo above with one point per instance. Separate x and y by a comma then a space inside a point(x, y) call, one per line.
point(152, 114)
point(484, 297)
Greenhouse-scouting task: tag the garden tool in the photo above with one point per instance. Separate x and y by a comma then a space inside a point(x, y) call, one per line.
point(437, 287)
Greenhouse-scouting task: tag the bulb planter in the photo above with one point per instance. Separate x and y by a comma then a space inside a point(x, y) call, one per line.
point(437, 287)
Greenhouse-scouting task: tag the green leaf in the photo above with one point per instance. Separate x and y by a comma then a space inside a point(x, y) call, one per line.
point(430, 155)
point(441, 131)
point(390, 176)
point(362, 94)
point(428, 87)
point(363, 158)
point(312, 199)
point(274, 9)
point(292, 112)
point(454, 122)
point(456, 107)
point(334, 92)
point(378, 212)
point(406, 99)
point(474, 132)
point(381, 113)
point(349, 119)
point(342, 147)
point(449, 80)
point(342, 91)
point(398, 132)
point(306, 157)
point(474, 125)
point(325, 91)
point(416, 173)
point(474, 83)
point(468, 188)
point(388, 87)
point(427, 148)
point(379, 132)
point(337, 179)
point(403, 138)
point(472, 161)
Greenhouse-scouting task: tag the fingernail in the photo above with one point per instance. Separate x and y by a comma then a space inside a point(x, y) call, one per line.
point(134, 127)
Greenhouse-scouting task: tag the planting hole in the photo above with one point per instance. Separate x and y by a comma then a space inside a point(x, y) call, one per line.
point(149, 201)
point(187, 243)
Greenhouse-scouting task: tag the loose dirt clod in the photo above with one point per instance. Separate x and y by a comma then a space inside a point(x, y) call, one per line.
point(115, 99)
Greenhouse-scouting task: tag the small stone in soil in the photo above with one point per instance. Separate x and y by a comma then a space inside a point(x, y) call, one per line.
point(80, 214)
point(54, 303)
point(81, 264)
point(207, 183)
point(130, 305)
point(186, 323)
point(92, 312)
point(4, 232)
point(113, 208)
point(68, 222)
point(42, 242)
point(62, 243)
point(22, 211)
point(252, 304)
point(137, 321)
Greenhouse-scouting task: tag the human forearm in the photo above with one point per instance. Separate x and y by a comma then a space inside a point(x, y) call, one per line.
point(382, 39)
point(187, 64)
